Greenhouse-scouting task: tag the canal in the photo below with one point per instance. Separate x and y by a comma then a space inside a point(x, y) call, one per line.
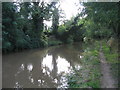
point(41, 68)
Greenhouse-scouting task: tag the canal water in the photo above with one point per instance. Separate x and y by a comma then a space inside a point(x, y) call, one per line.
point(41, 68)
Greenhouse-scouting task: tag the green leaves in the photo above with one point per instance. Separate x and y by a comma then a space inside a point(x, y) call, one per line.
point(100, 17)
point(24, 29)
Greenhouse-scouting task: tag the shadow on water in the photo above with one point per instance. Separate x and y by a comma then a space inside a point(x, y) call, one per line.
point(44, 68)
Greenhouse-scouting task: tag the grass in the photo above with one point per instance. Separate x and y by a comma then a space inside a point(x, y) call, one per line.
point(89, 75)
point(111, 56)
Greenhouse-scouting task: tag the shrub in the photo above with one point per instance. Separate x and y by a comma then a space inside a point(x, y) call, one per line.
point(69, 40)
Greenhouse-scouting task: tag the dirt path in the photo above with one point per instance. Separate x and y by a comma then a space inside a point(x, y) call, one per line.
point(107, 81)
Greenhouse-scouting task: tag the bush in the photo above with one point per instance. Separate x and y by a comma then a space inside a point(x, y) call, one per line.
point(69, 40)
point(43, 40)
point(54, 42)
point(61, 30)
point(6, 46)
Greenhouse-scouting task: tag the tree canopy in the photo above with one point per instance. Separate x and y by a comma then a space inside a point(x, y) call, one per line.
point(23, 24)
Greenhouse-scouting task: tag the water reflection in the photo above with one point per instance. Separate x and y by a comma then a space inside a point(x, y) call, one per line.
point(63, 65)
point(47, 63)
point(45, 68)
point(81, 57)
point(31, 79)
point(22, 67)
point(78, 67)
point(29, 67)
point(17, 85)
point(63, 81)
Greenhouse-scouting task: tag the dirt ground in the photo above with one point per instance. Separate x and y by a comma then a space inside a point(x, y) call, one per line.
point(107, 80)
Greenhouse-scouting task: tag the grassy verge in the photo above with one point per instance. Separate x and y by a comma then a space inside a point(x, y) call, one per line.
point(89, 75)
point(111, 56)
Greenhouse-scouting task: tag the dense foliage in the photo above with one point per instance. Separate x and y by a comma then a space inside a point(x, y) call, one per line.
point(23, 24)
point(102, 19)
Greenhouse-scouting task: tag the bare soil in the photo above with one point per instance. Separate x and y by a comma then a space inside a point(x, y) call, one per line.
point(107, 80)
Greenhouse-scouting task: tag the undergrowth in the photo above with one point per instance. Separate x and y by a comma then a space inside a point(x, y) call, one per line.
point(88, 76)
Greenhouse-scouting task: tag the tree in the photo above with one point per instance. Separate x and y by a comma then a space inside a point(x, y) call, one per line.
point(23, 25)
point(9, 26)
point(103, 14)
point(55, 18)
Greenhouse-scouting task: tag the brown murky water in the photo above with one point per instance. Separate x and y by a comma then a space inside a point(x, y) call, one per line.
point(41, 68)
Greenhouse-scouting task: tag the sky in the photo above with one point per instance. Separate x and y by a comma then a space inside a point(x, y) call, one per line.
point(70, 8)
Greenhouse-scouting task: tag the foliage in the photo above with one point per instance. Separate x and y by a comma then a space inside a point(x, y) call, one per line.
point(94, 30)
point(23, 25)
point(71, 31)
point(88, 76)
point(61, 30)
point(112, 58)
point(69, 40)
point(111, 55)
point(55, 19)
point(54, 42)
point(101, 20)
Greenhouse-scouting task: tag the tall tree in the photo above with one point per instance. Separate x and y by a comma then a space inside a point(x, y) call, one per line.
point(9, 25)
point(104, 14)
point(55, 18)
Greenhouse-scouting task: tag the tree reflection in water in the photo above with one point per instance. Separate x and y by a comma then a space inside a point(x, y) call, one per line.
point(45, 68)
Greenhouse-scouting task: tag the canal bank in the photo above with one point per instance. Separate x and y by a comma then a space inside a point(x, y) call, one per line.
point(66, 66)
point(99, 67)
